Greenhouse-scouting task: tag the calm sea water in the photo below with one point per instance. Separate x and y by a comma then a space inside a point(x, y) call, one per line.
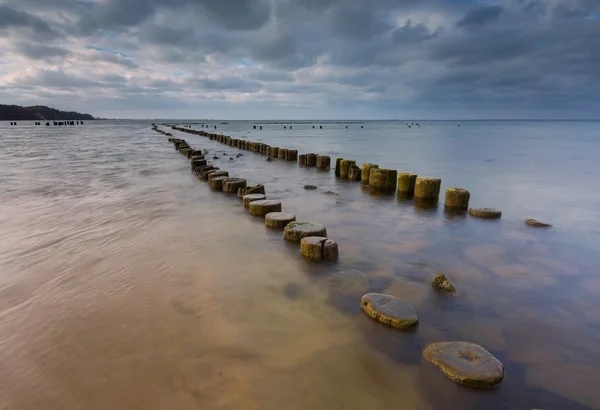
point(127, 283)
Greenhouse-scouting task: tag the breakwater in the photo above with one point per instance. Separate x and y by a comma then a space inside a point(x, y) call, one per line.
point(465, 362)
point(424, 191)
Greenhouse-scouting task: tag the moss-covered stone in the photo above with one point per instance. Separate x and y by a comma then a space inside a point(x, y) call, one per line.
point(428, 188)
point(406, 184)
point(282, 153)
point(263, 207)
point(319, 248)
point(279, 220)
point(338, 162)
point(441, 282)
point(323, 161)
point(295, 231)
point(466, 363)
point(311, 160)
point(487, 213)
point(383, 180)
point(537, 223)
point(216, 183)
point(345, 165)
point(390, 310)
point(457, 198)
point(355, 173)
point(366, 172)
point(232, 185)
point(251, 198)
point(302, 159)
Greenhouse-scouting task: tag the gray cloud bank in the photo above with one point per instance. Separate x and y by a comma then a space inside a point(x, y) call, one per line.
point(304, 58)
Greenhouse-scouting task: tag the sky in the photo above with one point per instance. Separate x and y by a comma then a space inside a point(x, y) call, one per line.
point(304, 59)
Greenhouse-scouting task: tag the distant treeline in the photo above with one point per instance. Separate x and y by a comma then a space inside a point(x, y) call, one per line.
point(38, 112)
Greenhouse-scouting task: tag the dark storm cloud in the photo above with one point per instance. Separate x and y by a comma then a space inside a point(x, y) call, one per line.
point(14, 18)
point(479, 16)
point(39, 51)
point(285, 53)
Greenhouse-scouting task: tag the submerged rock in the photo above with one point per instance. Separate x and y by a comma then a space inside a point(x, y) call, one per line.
point(319, 248)
point(466, 363)
point(441, 282)
point(390, 310)
point(310, 187)
point(487, 213)
point(279, 220)
point(295, 231)
point(537, 223)
point(269, 159)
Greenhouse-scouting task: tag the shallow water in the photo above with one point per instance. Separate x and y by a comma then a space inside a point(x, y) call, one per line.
point(126, 283)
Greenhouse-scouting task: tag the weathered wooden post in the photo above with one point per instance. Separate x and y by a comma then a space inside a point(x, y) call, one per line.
point(383, 180)
point(345, 167)
point(406, 184)
point(323, 161)
point(366, 172)
point(457, 198)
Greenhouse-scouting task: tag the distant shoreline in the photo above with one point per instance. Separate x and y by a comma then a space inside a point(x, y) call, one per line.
point(39, 113)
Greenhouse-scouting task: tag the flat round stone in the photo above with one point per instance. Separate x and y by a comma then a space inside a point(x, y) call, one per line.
point(466, 363)
point(390, 310)
point(278, 220)
point(487, 213)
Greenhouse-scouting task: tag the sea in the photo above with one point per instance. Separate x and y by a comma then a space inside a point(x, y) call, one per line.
point(127, 283)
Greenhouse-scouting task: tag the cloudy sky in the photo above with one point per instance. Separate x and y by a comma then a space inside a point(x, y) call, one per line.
point(261, 59)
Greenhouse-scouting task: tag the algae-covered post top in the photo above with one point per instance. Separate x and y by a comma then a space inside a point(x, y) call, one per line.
point(406, 184)
point(279, 220)
point(457, 198)
point(383, 179)
point(428, 188)
point(295, 231)
point(366, 172)
point(345, 167)
point(261, 208)
point(319, 248)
